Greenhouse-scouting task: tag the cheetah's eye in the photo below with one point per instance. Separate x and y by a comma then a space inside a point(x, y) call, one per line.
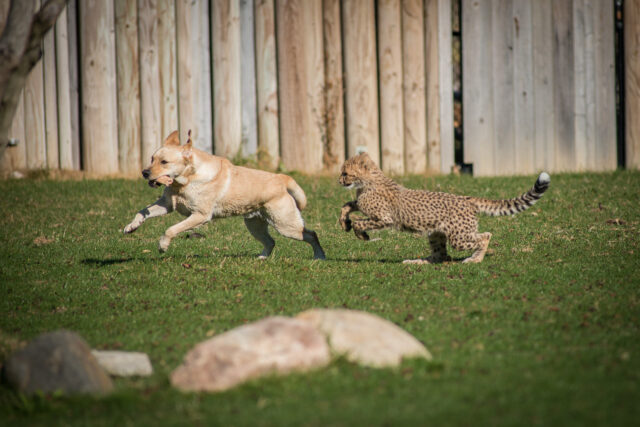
point(164, 162)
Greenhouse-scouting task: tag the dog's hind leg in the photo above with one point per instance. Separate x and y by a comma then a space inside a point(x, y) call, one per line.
point(285, 217)
point(259, 229)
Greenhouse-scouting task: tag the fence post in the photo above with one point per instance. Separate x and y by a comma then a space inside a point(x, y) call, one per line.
point(390, 60)
point(361, 78)
point(267, 85)
point(301, 83)
point(50, 100)
point(632, 81)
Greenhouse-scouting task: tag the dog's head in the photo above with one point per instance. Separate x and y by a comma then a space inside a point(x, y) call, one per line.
point(169, 161)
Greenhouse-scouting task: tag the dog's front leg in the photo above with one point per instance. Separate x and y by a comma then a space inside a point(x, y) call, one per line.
point(348, 207)
point(162, 206)
point(192, 221)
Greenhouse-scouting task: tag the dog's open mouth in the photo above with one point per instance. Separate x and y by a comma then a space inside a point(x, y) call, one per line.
point(163, 180)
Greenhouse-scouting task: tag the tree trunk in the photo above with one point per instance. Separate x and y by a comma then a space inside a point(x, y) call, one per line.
point(20, 50)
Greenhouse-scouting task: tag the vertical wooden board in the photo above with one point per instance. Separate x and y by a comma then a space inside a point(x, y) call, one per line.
point(194, 73)
point(433, 77)
point(414, 90)
point(167, 66)
point(544, 145)
point(390, 62)
point(227, 113)
point(632, 82)
point(248, 79)
point(74, 82)
point(267, 85)
point(65, 133)
point(564, 89)
point(128, 86)
point(447, 153)
point(523, 87)
point(98, 77)
point(301, 82)
point(50, 100)
point(589, 89)
point(361, 76)
point(605, 101)
point(580, 81)
point(150, 87)
point(503, 88)
point(35, 140)
point(334, 148)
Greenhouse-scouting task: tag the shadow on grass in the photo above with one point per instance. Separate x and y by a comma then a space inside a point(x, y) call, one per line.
point(105, 262)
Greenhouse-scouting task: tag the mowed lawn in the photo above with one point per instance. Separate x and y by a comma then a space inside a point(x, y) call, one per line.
point(545, 331)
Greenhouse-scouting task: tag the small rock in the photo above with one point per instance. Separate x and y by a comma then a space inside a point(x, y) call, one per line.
point(124, 363)
point(272, 345)
point(16, 175)
point(56, 361)
point(365, 338)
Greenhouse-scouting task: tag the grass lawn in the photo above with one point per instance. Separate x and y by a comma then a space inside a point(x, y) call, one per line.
point(545, 331)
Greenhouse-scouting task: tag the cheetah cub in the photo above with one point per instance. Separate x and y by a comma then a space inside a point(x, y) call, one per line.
point(442, 216)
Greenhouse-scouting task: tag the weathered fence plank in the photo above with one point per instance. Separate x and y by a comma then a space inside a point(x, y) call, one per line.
point(65, 134)
point(267, 85)
point(194, 73)
point(605, 111)
point(74, 82)
point(523, 87)
point(544, 151)
point(632, 82)
point(414, 91)
point(390, 60)
point(445, 86)
point(158, 80)
point(334, 145)
point(128, 83)
point(503, 87)
point(361, 76)
point(433, 84)
point(34, 119)
point(50, 101)
point(301, 83)
point(564, 89)
point(227, 98)
point(478, 92)
point(248, 79)
point(98, 76)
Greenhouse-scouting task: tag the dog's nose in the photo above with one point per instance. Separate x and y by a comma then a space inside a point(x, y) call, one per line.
point(145, 173)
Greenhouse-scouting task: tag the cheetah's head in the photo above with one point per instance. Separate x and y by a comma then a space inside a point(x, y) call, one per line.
point(357, 172)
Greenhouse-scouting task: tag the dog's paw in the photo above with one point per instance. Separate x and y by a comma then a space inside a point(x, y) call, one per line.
point(163, 244)
point(130, 228)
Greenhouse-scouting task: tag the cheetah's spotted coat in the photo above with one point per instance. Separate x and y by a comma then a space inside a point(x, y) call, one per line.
point(442, 216)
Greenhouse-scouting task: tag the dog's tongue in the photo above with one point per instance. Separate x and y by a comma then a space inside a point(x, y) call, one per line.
point(165, 180)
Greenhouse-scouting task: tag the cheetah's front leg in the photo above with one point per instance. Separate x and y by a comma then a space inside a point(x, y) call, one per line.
point(348, 207)
point(360, 227)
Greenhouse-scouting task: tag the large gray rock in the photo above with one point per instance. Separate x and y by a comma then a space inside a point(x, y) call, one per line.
point(56, 361)
point(272, 345)
point(365, 338)
point(124, 363)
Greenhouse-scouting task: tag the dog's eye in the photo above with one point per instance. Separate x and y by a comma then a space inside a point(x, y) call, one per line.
point(164, 162)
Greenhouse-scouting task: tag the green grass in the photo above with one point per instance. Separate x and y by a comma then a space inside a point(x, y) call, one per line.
point(545, 331)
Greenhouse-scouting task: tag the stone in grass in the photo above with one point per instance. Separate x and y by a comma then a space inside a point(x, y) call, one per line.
point(56, 361)
point(365, 338)
point(124, 363)
point(274, 345)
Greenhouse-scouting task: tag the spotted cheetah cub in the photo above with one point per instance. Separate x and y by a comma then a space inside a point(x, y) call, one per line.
point(442, 216)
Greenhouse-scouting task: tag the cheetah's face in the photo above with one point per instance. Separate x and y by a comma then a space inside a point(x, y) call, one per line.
point(356, 172)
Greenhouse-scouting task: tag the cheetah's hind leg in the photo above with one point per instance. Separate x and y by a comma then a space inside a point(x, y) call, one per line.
point(482, 243)
point(438, 243)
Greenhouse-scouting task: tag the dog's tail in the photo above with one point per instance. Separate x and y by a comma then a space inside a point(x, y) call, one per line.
point(517, 204)
point(296, 192)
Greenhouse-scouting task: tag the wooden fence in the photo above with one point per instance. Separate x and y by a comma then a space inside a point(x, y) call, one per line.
point(304, 83)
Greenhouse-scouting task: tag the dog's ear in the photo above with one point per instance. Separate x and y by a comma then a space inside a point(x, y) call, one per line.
point(173, 139)
point(186, 148)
